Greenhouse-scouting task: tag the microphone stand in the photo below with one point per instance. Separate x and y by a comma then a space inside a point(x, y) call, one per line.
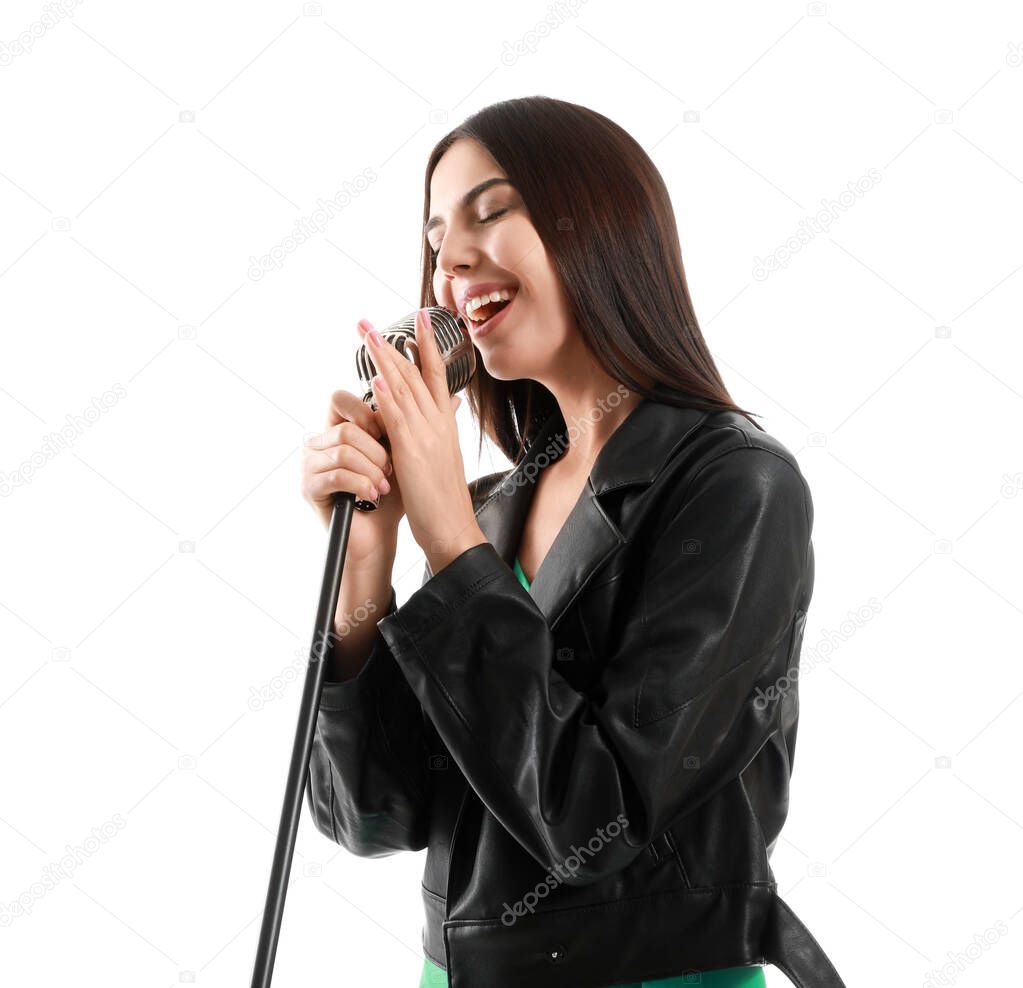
point(319, 652)
point(460, 362)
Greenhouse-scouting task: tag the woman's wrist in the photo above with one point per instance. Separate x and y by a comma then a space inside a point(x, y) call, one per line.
point(382, 555)
point(442, 552)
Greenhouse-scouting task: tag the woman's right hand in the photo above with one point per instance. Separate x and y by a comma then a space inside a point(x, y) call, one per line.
point(349, 456)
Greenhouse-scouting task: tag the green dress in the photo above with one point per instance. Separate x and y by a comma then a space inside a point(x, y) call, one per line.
point(749, 976)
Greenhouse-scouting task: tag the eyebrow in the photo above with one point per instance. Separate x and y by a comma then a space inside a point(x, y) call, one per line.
point(467, 200)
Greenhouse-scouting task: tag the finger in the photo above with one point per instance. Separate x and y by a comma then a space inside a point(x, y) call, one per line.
point(395, 425)
point(377, 356)
point(434, 372)
point(326, 483)
point(351, 459)
point(321, 448)
point(404, 382)
point(347, 407)
point(362, 327)
point(423, 400)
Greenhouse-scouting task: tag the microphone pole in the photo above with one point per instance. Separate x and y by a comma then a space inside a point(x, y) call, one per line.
point(460, 361)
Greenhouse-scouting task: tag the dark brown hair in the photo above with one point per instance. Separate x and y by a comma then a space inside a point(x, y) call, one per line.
point(604, 216)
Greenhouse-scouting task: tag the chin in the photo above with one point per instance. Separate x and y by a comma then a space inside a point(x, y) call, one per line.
point(498, 371)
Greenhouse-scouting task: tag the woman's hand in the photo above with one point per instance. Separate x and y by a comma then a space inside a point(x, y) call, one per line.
point(348, 456)
point(419, 420)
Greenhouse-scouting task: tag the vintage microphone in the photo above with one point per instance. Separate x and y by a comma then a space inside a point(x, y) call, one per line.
point(459, 357)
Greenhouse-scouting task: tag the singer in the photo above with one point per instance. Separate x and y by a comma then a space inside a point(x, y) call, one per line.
point(587, 712)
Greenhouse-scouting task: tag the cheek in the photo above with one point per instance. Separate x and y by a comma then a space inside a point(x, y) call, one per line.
point(441, 291)
point(513, 243)
point(534, 270)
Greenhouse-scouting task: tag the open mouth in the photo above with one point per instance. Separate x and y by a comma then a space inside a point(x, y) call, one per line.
point(480, 312)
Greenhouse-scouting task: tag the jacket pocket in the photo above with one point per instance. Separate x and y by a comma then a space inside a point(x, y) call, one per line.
point(672, 849)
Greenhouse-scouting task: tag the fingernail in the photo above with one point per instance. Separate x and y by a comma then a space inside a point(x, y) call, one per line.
point(375, 337)
point(385, 487)
point(379, 384)
point(390, 469)
point(374, 493)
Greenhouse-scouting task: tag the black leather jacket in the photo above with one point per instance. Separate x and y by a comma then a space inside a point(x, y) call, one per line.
point(598, 766)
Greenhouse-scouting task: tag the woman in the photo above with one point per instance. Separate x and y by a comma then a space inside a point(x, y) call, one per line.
point(585, 712)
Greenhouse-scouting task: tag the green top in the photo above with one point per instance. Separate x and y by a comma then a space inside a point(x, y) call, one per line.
point(520, 574)
point(724, 977)
point(751, 976)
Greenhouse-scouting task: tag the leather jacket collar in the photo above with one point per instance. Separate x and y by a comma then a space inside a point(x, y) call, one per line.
point(633, 456)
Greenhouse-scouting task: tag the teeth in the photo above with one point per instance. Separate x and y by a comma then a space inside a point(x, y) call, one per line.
point(477, 301)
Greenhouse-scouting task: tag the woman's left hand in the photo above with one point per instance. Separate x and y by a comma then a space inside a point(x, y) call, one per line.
point(418, 414)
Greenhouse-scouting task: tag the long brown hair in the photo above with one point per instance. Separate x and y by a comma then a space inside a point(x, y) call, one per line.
point(603, 213)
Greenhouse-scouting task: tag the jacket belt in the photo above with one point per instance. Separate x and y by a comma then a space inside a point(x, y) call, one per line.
point(790, 946)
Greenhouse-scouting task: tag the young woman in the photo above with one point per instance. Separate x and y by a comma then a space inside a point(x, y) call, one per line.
point(587, 712)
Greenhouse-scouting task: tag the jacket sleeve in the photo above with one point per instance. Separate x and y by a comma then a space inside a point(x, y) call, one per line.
point(673, 718)
point(367, 786)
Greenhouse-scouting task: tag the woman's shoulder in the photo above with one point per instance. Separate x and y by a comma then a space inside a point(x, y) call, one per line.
point(729, 457)
point(729, 432)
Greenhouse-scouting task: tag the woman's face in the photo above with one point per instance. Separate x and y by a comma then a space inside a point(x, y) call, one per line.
point(492, 240)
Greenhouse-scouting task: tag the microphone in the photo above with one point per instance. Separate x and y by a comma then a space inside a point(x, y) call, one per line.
point(456, 350)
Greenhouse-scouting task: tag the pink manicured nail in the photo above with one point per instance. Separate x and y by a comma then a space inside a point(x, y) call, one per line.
point(376, 338)
point(379, 384)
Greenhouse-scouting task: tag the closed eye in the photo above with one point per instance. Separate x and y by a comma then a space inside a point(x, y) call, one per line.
point(434, 251)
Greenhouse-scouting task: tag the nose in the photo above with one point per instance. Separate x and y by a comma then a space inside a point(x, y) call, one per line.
point(458, 252)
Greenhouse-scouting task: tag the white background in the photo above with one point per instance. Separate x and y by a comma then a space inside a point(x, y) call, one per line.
point(885, 354)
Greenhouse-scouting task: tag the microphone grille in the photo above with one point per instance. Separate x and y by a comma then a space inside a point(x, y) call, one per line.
point(453, 342)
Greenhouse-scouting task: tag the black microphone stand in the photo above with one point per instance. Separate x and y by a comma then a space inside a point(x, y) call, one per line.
point(460, 362)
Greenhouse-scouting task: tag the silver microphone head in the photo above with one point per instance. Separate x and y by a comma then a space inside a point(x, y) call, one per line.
point(453, 342)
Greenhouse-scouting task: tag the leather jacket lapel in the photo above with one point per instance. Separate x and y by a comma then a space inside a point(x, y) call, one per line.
point(633, 456)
